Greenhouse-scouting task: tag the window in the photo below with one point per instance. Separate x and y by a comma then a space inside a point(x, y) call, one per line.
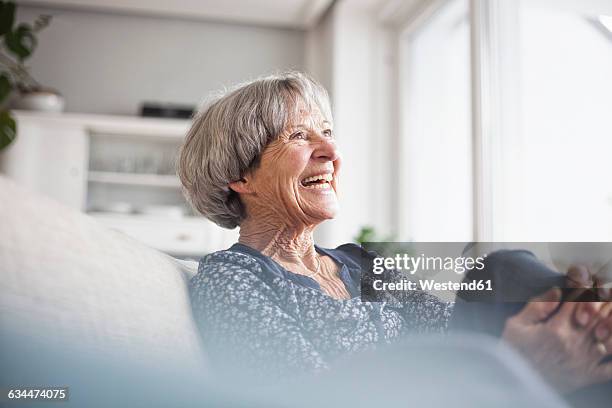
point(534, 164)
point(436, 177)
point(560, 154)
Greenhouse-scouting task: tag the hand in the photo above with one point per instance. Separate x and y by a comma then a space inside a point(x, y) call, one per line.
point(588, 313)
point(595, 317)
point(567, 355)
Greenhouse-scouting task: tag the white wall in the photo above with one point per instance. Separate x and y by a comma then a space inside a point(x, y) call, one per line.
point(350, 51)
point(320, 50)
point(116, 61)
point(110, 63)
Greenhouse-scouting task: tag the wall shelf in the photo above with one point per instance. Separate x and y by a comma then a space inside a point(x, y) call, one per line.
point(99, 162)
point(134, 179)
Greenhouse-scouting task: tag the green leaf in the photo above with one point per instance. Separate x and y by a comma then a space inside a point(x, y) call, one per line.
point(366, 234)
point(5, 87)
point(7, 16)
point(21, 41)
point(8, 129)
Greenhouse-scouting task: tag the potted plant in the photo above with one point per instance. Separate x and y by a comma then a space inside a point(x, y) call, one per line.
point(18, 44)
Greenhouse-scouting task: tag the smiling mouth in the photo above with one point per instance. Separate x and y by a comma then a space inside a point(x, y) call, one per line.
point(319, 181)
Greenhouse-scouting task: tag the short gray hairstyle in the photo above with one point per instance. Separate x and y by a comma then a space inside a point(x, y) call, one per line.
point(229, 134)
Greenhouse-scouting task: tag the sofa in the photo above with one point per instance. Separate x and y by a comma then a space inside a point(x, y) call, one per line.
point(69, 284)
point(89, 308)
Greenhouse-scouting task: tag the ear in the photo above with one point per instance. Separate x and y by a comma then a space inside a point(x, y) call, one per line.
point(241, 186)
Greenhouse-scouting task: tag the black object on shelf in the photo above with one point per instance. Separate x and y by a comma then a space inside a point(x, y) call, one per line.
point(166, 110)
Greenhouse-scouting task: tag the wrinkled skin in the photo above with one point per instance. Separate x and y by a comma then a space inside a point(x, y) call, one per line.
point(562, 343)
point(281, 212)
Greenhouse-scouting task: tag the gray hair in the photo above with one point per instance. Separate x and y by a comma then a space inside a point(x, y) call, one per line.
point(229, 134)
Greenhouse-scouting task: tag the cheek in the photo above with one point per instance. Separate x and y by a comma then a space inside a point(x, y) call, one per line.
point(281, 169)
point(292, 163)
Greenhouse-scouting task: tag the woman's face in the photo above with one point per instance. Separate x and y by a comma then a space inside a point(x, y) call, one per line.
point(297, 177)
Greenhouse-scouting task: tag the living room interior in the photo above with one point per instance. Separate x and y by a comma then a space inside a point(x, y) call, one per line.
point(458, 121)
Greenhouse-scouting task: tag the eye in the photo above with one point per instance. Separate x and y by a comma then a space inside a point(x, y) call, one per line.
point(328, 133)
point(299, 135)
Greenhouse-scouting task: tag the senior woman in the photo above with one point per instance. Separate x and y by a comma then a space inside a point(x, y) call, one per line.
point(263, 157)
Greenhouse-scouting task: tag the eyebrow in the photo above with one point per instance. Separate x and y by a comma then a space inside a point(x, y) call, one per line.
point(302, 125)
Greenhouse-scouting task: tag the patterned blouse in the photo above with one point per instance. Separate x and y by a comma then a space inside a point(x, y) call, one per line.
point(257, 318)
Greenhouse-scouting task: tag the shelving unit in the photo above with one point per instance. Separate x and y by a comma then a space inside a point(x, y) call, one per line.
point(93, 162)
point(134, 179)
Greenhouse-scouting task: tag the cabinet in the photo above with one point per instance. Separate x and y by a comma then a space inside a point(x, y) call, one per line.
point(120, 170)
point(49, 156)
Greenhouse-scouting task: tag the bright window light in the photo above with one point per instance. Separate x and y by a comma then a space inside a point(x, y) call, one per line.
point(606, 21)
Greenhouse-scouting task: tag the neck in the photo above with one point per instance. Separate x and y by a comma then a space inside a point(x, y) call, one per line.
point(287, 244)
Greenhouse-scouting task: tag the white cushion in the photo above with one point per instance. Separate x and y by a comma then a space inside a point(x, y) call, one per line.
point(66, 279)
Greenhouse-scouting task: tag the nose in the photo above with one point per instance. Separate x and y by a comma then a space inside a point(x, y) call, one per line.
point(326, 150)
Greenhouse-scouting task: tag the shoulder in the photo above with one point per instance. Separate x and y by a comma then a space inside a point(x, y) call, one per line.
point(226, 272)
point(228, 257)
point(231, 285)
point(227, 262)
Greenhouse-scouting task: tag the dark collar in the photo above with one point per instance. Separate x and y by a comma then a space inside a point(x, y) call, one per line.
point(350, 272)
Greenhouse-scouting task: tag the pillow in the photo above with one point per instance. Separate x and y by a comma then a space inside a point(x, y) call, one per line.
point(67, 280)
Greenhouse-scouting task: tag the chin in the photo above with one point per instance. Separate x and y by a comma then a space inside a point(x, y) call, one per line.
point(329, 213)
point(320, 213)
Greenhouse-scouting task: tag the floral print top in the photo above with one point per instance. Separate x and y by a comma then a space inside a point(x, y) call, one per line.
point(257, 318)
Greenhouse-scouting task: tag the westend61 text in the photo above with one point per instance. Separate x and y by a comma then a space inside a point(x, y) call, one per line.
point(431, 285)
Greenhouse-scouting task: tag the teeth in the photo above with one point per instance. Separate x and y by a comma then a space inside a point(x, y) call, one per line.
point(318, 186)
point(326, 177)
